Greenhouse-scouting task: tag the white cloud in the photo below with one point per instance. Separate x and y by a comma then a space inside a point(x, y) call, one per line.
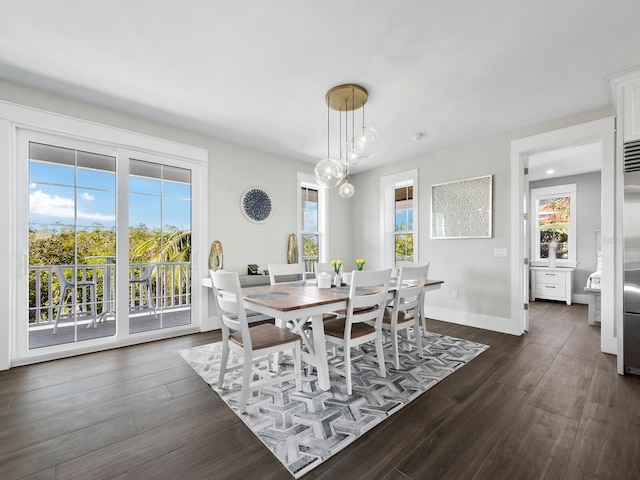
point(33, 185)
point(88, 197)
point(43, 204)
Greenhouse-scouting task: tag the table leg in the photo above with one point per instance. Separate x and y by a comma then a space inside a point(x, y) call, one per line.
point(320, 350)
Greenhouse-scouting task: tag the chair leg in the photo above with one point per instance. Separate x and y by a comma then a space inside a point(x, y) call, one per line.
point(347, 367)
point(396, 354)
point(297, 365)
point(94, 305)
point(246, 381)
point(279, 357)
point(416, 333)
point(60, 307)
point(223, 362)
point(149, 300)
point(380, 353)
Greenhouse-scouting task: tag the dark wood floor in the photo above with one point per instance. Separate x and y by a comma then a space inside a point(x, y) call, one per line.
point(545, 405)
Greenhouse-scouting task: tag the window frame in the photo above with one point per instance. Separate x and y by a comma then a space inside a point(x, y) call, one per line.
point(388, 186)
point(309, 181)
point(541, 193)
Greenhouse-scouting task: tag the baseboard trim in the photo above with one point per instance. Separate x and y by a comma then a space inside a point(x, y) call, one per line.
point(580, 298)
point(497, 324)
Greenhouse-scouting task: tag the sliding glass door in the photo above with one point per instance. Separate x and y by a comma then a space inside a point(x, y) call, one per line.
point(108, 233)
point(72, 240)
point(159, 246)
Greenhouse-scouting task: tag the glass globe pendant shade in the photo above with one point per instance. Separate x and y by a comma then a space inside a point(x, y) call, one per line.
point(329, 172)
point(367, 141)
point(354, 156)
point(346, 190)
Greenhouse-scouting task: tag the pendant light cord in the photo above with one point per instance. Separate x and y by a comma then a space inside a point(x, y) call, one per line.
point(353, 119)
point(328, 126)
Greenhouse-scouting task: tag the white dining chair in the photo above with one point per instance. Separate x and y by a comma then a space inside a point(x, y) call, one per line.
point(422, 319)
point(143, 281)
point(252, 344)
point(404, 312)
point(286, 272)
point(323, 267)
point(73, 286)
point(362, 321)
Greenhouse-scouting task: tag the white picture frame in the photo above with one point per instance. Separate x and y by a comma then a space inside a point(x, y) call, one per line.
point(462, 208)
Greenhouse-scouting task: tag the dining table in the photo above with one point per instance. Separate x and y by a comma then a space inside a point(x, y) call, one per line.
point(293, 303)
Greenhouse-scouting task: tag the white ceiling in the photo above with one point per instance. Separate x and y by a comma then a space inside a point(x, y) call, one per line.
point(562, 162)
point(255, 72)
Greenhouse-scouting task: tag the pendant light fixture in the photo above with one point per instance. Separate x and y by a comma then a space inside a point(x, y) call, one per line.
point(346, 190)
point(329, 172)
point(363, 144)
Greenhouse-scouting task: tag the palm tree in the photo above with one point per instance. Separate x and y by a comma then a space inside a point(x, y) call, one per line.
point(161, 248)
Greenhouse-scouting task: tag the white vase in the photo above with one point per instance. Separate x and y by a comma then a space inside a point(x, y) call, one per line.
point(338, 279)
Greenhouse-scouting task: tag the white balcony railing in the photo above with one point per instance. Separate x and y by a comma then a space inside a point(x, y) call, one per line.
point(170, 287)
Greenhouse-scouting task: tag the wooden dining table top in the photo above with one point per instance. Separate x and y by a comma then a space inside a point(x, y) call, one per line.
point(305, 294)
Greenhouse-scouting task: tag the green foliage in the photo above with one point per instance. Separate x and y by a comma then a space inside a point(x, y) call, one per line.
point(310, 246)
point(404, 246)
point(69, 246)
point(58, 246)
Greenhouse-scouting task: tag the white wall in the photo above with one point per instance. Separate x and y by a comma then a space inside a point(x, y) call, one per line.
point(232, 169)
point(588, 201)
point(467, 266)
point(482, 281)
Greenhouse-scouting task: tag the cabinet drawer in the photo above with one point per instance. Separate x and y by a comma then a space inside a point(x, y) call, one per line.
point(556, 278)
point(549, 290)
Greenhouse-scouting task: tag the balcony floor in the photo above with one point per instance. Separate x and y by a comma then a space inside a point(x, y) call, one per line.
point(139, 321)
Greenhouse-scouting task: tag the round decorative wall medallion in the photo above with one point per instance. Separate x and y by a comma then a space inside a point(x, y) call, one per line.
point(256, 204)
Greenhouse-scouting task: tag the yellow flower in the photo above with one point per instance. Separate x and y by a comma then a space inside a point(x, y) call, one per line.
point(359, 263)
point(336, 265)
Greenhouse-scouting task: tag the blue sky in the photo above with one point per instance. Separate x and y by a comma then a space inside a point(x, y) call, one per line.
point(53, 199)
point(310, 217)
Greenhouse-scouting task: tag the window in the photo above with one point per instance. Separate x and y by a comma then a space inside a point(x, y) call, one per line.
point(399, 197)
point(404, 223)
point(554, 219)
point(311, 221)
point(310, 237)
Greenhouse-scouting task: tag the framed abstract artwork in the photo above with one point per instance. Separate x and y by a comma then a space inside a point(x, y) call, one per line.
point(462, 209)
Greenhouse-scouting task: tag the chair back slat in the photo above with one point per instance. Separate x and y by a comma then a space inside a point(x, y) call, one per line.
point(286, 269)
point(367, 297)
point(228, 296)
point(410, 288)
point(322, 267)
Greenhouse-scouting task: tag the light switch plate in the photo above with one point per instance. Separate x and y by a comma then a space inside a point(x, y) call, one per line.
point(500, 252)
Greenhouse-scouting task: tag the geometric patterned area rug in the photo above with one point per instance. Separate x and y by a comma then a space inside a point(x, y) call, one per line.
point(304, 428)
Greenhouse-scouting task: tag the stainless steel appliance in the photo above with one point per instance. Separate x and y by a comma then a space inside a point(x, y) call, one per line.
point(631, 221)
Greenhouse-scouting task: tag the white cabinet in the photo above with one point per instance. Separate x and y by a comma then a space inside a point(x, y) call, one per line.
point(552, 283)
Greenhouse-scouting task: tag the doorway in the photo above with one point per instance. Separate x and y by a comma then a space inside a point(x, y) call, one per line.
point(599, 131)
point(565, 221)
